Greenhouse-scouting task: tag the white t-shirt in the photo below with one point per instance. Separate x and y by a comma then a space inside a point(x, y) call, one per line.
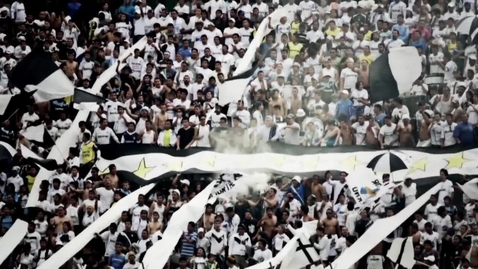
point(350, 78)
point(446, 189)
point(356, 94)
point(102, 137)
point(389, 134)
point(399, 112)
point(434, 238)
point(360, 132)
point(431, 211)
point(292, 136)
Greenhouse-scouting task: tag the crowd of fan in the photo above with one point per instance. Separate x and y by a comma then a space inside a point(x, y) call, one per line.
point(310, 89)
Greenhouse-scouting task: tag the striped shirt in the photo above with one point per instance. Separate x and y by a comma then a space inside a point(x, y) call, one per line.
point(188, 249)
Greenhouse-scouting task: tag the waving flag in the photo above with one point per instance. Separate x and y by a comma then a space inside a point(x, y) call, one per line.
point(402, 252)
point(393, 74)
point(44, 76)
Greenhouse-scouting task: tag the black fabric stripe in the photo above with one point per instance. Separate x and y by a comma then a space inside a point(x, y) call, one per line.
point(383, 85)
point(4, 154)
point(304, 248)
point(16, 103)
point(396, 163)
point(114, 151)
point(37, 64)
point(84, 96)
point(402, 249)
point(474, 26)
point(374, 161)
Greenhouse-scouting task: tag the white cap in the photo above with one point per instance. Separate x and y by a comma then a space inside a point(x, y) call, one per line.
point(16, 168)
point(177, 191)
point(297, 178)
point(22, 38)
point(344, 92)
point(451, 4)
point(472, 56)
point(405, 117)
point(201, 230)
point(300, 113)
point(185, 182)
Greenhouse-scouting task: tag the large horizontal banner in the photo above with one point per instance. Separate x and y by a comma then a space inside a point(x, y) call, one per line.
point(422, 164)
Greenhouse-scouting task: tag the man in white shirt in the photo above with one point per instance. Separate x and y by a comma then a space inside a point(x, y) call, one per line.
point(388, 135)
point(291, 131)
point(103, 134)
point(15, 179)
point(360, 129)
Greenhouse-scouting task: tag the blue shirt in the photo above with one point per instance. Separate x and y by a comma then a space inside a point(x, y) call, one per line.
point(188, 249)
point(298, 192)
point(344, 107)
point(128, 9)
point(7, 222)
point(465, 133)
point(420, 44)
point(402, 32)
point(185, 52)
point(380, 118)
point(117, 261)
point(73, 7)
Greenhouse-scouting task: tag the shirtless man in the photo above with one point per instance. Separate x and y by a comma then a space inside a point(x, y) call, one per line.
point(317, 189)
point(161, 117)
point(346, 134)
point(277, 100)
point(155, 225)
point(405, 130)
point(268, 222)
point(208, 218)
point(470, 253)
point(364, 74)
point(71, 67)
point(415, 233)
point(424, 134)
point(330, 224)
point(304, 212)
point(59, 219)
point(371, 134)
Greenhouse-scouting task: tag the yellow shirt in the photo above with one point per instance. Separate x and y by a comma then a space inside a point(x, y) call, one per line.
point(369, 58)
point(333, 33)
point(30, 181)
point(87, 152)
point(294, 27)
point(294, 50)
point(368, 36)
point(451, 46)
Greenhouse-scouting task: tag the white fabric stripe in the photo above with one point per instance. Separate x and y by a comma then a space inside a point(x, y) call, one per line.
point(111, 71)
point(4, 101)
point(12, 238)
point(34, 133)
point(112, 215)
point(191, 211)
point(262, 31)
point(465, 25)
point(232, 91)
point(406, 66)
point(55, 86)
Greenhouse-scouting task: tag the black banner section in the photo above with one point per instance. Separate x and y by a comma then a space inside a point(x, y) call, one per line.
point(114, 151)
